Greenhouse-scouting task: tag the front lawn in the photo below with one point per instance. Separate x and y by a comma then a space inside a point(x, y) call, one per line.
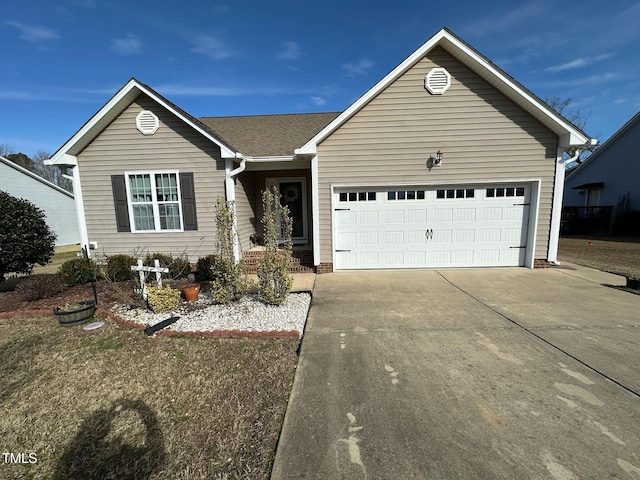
point(113, 403)
point(610, 254)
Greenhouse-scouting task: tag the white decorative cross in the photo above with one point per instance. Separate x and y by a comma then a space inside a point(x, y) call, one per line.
point(141, 269)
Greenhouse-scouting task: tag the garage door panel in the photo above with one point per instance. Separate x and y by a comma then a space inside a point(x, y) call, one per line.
point(442, 236)
point(417, 216)
point(492, 214)
point(416, 237)
point(394, 238)
point(431, 227)
point(443, 215)
point(465, 236)
point(491, 235)
point(466, 215)
point(369, 238)
point(395, 217)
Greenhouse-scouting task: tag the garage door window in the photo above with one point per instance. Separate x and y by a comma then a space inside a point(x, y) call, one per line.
point(505, 192)
point(357, 197)
point(406, 195)
point(455, 193)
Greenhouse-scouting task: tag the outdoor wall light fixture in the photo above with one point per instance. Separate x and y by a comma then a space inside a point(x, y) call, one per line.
point(435, 161)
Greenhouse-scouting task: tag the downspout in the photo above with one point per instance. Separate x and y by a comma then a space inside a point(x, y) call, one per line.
point(230, 191)
point(80, 218)
point(558, 194)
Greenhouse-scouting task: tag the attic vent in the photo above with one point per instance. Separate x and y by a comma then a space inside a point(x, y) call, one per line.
point(437, 81)
point(147, 123)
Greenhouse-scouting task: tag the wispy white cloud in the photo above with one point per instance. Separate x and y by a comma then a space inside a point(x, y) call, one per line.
point(130, 45)
point(85, 3)
point(578, 63)
point(221, 7)
point(224, 91)
point(319, 101)
point(360, 68)
point(211, 47)
point(506, 20)
point(582, 81)
point(34, 33)
point(290, 51)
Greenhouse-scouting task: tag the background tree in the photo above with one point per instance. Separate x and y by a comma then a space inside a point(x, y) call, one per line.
point(35, 164)
point(578, 118)
point(25, 237)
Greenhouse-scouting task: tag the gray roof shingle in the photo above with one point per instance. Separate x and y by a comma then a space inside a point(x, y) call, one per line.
point(268, 135)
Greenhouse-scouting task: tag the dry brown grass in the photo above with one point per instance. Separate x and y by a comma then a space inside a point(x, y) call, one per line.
point(113, 403)
point(610, 254)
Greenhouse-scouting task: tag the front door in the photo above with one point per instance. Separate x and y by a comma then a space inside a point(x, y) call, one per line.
point(293, 192)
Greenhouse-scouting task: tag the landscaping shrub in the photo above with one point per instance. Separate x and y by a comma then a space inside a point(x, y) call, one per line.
point(274, 277)
point(179, 267)
point(230, 282)
point(162, 299)
point(77, 271)
point(118, 268)
point(207, 267)
point(25, 237)
point(37, 287)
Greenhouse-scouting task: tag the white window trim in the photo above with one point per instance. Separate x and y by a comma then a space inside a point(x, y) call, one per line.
point(275, 181)
point(156, 212)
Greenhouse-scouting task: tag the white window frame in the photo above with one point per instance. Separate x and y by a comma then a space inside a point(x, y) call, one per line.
point(156, 210)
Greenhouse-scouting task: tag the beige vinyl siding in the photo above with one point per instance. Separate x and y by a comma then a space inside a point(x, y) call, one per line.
point(245, 209)
point(175, 146)
point(483, 135)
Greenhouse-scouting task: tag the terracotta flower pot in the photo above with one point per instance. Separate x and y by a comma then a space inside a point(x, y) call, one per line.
point(191, 293)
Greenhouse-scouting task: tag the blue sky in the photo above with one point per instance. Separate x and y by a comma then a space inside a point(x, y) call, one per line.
point(62, 60)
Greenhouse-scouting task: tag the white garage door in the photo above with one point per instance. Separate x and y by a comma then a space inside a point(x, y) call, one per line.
point(414, 227)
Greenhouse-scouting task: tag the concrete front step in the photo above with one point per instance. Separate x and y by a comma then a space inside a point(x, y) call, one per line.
point(302, 261)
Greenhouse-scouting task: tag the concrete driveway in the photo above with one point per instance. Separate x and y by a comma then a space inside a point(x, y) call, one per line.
point(460, 374)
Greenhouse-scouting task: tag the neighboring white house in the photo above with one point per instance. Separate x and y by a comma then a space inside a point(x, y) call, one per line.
point(58, 204)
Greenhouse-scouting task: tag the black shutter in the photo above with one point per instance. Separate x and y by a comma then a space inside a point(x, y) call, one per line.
point(120, 201)
point(189, 217)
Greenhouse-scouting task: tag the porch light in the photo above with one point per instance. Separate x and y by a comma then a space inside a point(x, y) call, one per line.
point(435, 161)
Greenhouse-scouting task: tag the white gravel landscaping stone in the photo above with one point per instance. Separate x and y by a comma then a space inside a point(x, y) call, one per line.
point(248, 314)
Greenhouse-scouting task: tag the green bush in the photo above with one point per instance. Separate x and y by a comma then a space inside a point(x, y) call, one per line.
point(207, 267)
point(25, 238)
point(274, 277)
point(162, 299)
point(118, 268)
point(179, 267)
point(77, 271)
point(230, 284)
point(37, 287)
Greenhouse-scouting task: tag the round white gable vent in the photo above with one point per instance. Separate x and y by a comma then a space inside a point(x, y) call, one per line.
point(437, 81)
point(147, 123)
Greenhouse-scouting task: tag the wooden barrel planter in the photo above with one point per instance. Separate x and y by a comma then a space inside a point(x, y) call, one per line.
point(76, 316)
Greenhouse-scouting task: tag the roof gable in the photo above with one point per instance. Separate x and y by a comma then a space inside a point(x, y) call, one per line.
point(568, 133)
point(634, 122)
point(113, 108)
